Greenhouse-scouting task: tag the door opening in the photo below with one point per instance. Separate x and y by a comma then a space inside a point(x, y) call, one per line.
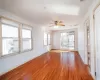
point(68, 40)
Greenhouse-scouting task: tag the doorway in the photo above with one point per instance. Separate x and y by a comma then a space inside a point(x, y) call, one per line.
point(68, 40)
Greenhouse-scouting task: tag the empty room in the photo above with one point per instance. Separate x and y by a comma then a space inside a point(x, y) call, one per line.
point(49, 39)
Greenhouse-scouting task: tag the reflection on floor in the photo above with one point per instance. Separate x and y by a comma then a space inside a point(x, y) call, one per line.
point(58, 50)
point(51, 66)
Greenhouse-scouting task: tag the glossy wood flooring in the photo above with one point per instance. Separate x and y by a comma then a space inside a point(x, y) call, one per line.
point(51, 66)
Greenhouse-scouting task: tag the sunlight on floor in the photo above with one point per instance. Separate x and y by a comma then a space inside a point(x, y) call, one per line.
point(60, 51)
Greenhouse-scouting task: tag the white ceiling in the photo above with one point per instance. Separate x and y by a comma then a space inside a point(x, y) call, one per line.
point(43, 12)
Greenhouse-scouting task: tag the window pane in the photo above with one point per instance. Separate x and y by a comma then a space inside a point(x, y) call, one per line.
point(26, 33)
point(49, 36)
point(71, 48)
point(68, 40)
point(64, 44)
point(49, 39)
point(71, 37)
point(71, 43)
point(45, 41)
point(63, 34)
point(27, 44)
point(9, 45)
point(45, 35)
point(45, 38)
point(9, 31)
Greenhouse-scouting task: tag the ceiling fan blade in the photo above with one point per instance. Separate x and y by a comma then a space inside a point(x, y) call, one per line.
point(56, 23)
point(61, 25)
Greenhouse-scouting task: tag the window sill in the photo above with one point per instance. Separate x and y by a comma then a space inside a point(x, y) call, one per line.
point(12, 54)
point(8, 55)
point(26, 50)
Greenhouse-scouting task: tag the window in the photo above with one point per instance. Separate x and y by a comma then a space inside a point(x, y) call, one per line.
point(49, 39)
point(26, 38)
point(71, 40)
point(10, 40)
point(14, 37)
point(45, 39)
point(68, 40)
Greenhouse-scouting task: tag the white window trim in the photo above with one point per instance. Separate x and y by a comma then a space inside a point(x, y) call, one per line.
point(19, 37)
point(49, 38)
point(46, 39)
point(31, 29)
point(68, 40)
point(76, 37)
point(0, 38)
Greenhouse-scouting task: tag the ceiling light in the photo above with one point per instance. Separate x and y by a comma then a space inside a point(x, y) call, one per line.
point(56, 26)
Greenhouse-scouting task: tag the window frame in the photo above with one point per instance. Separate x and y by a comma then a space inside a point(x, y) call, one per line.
point(19, 37)
point(68, 39)
point(28, 28)
point(72, 41)
point(49, 39)
point(46, 39)
point(1, 23)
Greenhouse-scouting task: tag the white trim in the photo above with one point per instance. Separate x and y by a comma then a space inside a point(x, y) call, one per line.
point(0, 38)
point(45, 39)
point(26, 28)
point(14, 21)
point(20, 35)
point(76, 37)
point(85, 41)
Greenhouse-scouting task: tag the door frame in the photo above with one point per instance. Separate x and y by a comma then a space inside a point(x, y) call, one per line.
point(76, 37)
point(95, 53)
point(86, 41)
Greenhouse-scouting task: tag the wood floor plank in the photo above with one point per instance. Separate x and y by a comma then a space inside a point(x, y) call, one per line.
point(51, 66)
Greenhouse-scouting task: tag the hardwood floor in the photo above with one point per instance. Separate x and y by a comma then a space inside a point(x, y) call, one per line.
point(51, 66)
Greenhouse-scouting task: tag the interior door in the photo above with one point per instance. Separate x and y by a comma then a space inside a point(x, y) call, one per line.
point(97, 41)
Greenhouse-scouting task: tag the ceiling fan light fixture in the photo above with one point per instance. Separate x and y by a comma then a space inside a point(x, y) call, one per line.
point(56, 26)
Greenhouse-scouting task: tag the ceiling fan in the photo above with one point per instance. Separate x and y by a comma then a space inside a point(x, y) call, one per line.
point(57, 23)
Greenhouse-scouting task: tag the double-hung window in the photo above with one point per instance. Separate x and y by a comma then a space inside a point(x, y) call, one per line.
point(45, 39)
point(71, 40)
point(10, 38)
point(26, 38)
point(14, 37)
point(49, 39)
point(68, 40)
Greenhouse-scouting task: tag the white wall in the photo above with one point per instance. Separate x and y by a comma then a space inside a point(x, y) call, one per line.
point(81, 42)
point(8, 63)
